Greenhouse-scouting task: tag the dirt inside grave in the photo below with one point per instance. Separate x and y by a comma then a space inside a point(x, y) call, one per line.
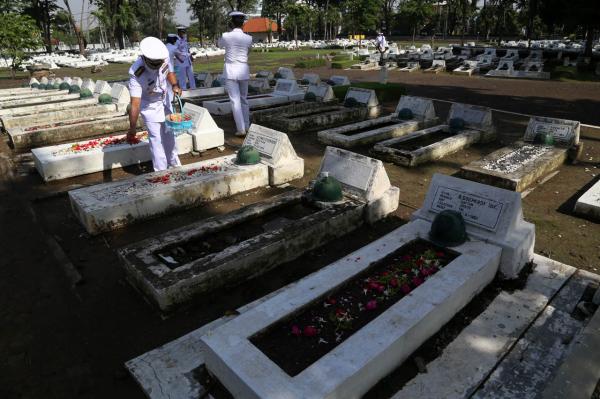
point(421, 141)
point(370, 128)
point(63, 341)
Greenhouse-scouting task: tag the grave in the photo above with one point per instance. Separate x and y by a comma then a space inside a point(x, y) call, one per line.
point(443, 53)
point(110, 206)
point(368, 64)
point(511, 55)
point(588, 204)
point(310, 79)
point(102, 87)
point(204, 79)
point(535, 56)
point(490, 53)
point(532, 70)
point(259, 237)
point(485, 61)
point(338, 80)
point(286, 91)
point(259, 85)
point(467, 68)
point(88, 84)
point(45, 97)
point(411, 66)
point(284, 73)
point(520, 165)
point(77, 81)
point(120, 101)
point(436, 67)
point(198, 96)
point(75, 159)
point(81, 126)
point(254, 354)
point(314, 99)
point(466, 125)
point(46, 108)
point(505, 69)
point(264, 75)
point(372, 130)
point(359, 104)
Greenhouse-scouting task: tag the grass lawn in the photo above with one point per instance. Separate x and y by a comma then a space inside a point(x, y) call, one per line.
point(571, 74)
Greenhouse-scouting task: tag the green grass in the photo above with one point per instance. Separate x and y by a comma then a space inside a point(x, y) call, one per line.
point(343, 64)
point(390, 92)
point(572, 74)
point(311, 63)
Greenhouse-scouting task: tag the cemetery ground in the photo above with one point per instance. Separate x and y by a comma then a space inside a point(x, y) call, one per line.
point(70, 319)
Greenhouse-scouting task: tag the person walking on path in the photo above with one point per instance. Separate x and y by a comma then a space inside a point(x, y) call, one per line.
point(184, 60)
point(237, 45)
point(149, 80)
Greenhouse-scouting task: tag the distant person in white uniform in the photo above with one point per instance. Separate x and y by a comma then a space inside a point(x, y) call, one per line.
point(380, 43)
point(184, 60)
point(237, 45)
point(149, 80)
point(172, 47)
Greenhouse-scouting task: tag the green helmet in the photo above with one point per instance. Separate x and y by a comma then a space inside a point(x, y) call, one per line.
point(86, 93)
point(105, 99)
point(74, 89)
point(64, 86)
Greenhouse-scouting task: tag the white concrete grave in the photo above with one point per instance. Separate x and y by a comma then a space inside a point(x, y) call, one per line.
point(259, 85)
point(88, 84)
point(44, 80)
point(491, 214)
point(77, 81)
point(120, 94)
point(42, 108)
point(505, 69)
point(352, 367)
point(66, 79)
point(467, 68)
point(490, 52)
point(383, 128)
point(310, 79)
point(511, 55)
point(522, 164)
point(485, 61)
point(204, 79)
point(439, 141)
point(264, 75)
point(436, 67)
point(33, 81)
point(368, 196)
point(286, 73)
point(339, 80)
point(322, 91)
point(29, 95)
point(588, 204)
point(286, 91)
point(110, 206)
point(411, 66)
point(102, 87)
point(75, 159)
point(43, 97)
point(205, 131)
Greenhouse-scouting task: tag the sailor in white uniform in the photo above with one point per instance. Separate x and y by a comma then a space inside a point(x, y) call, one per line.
point(172, 47)
point(237, 45)
point(380, 43)
point(184, 60)
point(149, 80)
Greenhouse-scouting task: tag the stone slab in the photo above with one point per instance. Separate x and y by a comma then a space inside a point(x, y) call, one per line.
point(548, 341)
point(588, 204)
point(30, 95)
point(319, 117)
point(96, 126)
point(491, 214)
point(565, 132)
point(260, 85)
point(203, 92)
point(411, 67)
point(168, 286)
point(339, 80)
point(436, 67)
point(44, 118)
point(120, 94)
point(468, 360)
point(29, 110)
point(64, 160)
point(205, 131)
point(286, 73)
point(311, 78)
point(39, 100)
point(422, 108)
point(516, 167)
point(354, 366)
point(102, 87)
point(322, 91)
point(204, 79)
point(113, 205)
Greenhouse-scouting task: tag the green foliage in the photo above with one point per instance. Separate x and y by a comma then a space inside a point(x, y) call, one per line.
point(18, 34)
point(311, 63)
point(417, 13)
point(342, 64)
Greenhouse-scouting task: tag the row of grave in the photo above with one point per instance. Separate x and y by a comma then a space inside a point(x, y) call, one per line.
point(174, 267)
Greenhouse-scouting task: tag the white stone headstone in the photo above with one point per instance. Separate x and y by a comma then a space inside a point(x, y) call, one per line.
point(470, 63)
point(285, 87)
point(490, 213)
point(366, 97)
point(487, 59)
point(490, 52)
point(360, 176)
point(312, 78)
point(77, 82)
point(44, 80)
point(512, 54)
point(412, 64)
point(88, 84)
point(422, 108)
point(205, 132)
point(322, 91)
point(475, 117)
point(33, 81)
point(259, 84)
point(565, 132)
point(67, 79)
point(274, 146)
point(339, 80)
point(264, 74)
point(286, 73)
point(205, 78)
point(439, 63)
point(506, 66)
point(120, 94)
point(102, 87)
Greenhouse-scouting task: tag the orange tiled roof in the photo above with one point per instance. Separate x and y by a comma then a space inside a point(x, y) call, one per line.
point(259, 25)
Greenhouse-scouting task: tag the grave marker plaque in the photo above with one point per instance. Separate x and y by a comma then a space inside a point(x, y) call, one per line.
point(475, 117)
point(120, 94)
point(102, 87)
point(274, 147)
point(340, 80)
point(565, 132)
point(285, 87)
point(365, 97)
point(422, 108)
point(322, 91)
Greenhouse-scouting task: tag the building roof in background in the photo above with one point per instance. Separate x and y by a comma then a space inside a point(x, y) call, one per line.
point(259, 25)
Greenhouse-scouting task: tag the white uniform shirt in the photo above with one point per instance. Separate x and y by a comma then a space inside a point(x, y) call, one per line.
point(183, 53)
point(152, 87)
point(172, 51)
point(237, 44)
point(381, 42)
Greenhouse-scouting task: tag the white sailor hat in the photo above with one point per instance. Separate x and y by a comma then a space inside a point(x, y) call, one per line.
point(172, 35)
point(153, 48)
point(234, 14)
point(181, 27)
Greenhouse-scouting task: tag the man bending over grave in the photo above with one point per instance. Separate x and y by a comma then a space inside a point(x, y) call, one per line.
point(237, 44)
point(149, 78)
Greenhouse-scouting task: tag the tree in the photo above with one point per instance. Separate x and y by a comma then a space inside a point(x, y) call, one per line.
point(42, 11)
point(18, 33)
point(362, 15)
point(418, 12)
point(76, 29)
point(388, 7)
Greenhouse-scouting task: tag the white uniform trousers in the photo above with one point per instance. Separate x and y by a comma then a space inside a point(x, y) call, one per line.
point(238, 96)
point(186, 72)
point(162, 146)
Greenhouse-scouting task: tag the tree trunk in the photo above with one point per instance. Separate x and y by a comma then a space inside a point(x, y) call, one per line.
point(77, 30)
point(414, 34)
point(589, 41)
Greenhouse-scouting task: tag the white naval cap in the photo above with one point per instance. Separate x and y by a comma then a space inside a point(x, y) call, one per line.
point(153, 48)
point(172, 35)
point(237, 14)
point(181, 27)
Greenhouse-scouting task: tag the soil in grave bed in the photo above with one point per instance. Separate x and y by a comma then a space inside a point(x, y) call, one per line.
point(214, 242)
point(369, 128)
point(296, 342)
point(314, 112)
point(420, 142)
point(65, 123)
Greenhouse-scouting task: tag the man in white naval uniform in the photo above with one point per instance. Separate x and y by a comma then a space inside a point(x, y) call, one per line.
point(184, 60)
point(237, 44)
point(172, 47)
point(380, 43)
point(149, 79)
